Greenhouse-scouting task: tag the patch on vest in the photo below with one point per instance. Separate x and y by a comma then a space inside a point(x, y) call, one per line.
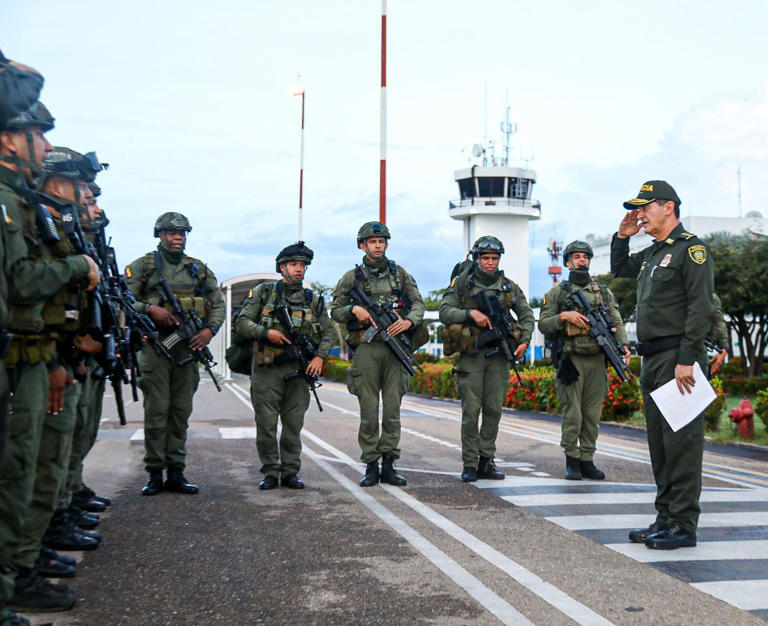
point(127, 272)
point(666, 260)
point(698, 254)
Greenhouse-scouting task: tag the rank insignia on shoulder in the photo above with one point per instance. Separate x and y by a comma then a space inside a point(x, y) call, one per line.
point(669, 241)
point(687, 235)
point(698, 254)
point(127, 272)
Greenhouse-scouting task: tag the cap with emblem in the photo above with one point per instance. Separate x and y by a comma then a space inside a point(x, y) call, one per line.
point(651, 191)
point(171, 221)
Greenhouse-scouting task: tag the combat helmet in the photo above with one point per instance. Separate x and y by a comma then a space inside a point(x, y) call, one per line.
point(20, 87)
point(36, 115)
point(372, 229)
point(485, 245)
point(171, 221)
point(295, 252)
point(577, 246)
point(71, 164)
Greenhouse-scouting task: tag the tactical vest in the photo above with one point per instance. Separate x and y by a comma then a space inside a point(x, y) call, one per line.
point(190, 294)
point(305, 318)
point(578, 340)
point(463, 337)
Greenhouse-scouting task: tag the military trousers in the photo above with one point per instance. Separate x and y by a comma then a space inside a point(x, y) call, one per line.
point(29, 385)
point(375, 370)
point(50, 475)
point(481, 383)
point(582, 403)
point(676, 457)
point(86, 429)
point(273, 396)
point(168, 390)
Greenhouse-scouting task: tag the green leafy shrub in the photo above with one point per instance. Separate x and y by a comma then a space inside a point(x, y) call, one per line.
point(538, 394)
point(336, 369)
point(734, 367)
point(622, 399)
point(715, 410)
point(634, 365)
point(761, 406)
point(743, 385)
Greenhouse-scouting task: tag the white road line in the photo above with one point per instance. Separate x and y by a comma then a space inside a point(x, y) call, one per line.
point(138, 435)
point(416, 433)
point(546, 591)
point(704, 551)
point(637, 497)
point(494, 604)
point(241, 432)
point(706, 520)
point(748, 595)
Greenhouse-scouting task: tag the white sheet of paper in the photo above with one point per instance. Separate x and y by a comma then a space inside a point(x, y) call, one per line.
point(680, 409)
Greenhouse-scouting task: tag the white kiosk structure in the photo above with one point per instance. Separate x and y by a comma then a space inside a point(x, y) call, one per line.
point(495, 199)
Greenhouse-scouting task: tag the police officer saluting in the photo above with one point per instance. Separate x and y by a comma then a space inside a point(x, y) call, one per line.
point(675, 277)
point(168, 387)
point(582, 379)
point(375, 369)
point(482, 374)
point(278, 388)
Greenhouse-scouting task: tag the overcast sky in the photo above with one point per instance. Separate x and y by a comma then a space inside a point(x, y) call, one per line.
point(190, 102)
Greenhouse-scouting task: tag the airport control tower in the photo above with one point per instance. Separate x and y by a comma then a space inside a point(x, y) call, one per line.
point(495, 199)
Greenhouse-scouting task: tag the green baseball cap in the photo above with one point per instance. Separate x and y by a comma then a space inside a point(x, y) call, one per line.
point(651, 191)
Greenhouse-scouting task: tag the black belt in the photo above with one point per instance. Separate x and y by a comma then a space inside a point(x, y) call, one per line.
point(654, 346)
point(5, 343)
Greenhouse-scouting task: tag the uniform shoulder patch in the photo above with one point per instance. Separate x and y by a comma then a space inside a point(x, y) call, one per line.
point(453, 282)
point(127, 271)
point(698, 254)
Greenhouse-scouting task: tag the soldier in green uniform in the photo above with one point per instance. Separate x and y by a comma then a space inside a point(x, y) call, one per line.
point(582, 389)
point(168, 388)
point(717, 336)
point(64, 178)
point(277, 387)
point(675, 277)
point(36, 275)
point(481, 380)
point(375, 370)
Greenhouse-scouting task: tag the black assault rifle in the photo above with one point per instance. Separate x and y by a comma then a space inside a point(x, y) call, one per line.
point(301, 348)
point(600, 323)
point(499, 338)
point(189, 325)
point(384, 316)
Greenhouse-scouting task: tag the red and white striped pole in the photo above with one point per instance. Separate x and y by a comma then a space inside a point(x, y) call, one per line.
point(301, 159)
point(383, 130)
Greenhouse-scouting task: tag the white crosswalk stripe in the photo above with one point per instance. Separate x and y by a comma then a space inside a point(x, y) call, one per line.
point(729, 562)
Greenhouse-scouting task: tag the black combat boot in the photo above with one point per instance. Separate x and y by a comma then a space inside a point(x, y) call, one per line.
point(86, 521)
point(50, 553)
point(89, 494)
point(292, 481)
point(63, 534)
point(35, 593)
point(176, 482)
point(572, 468)
point(372, 475)
point(53, 568)
point(588, 470)
point(89, 504)
point(486, 468)
point(469, 475)
point(389, 473)
point(268, 482)
point(154, 484)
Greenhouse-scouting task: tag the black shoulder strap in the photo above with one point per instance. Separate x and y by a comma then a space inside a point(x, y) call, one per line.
point(158, 264)
point(308, 293)
point(278, 287)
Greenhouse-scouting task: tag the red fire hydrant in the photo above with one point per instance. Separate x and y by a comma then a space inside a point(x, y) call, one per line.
point(742, 416)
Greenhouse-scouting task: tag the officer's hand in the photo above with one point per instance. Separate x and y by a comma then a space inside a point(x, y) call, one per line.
point(627, 355)
point(87, 344)
point(362, 315)
point(275, 336)
point(629, 225)
point(201, 339)
point(480, 318)
point(684, 378)
point(520, 350)
point(162, 316)
point(315, 366)
point(94, 276)
point(399, 326)
point(574, 317)
point(716, 362)
point(58, 380)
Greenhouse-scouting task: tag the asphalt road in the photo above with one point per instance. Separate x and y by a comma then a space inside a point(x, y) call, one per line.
point(530, 549)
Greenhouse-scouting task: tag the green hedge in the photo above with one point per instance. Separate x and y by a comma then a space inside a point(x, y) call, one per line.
point(336, 369)
point(761, 406)
point(715, 410)
point(744, 386)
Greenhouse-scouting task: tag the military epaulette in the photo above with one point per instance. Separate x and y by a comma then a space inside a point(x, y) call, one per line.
point(687, 235)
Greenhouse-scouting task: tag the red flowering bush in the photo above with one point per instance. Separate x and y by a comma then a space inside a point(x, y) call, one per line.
point(437, 380)
point(622, 400)
point(538, 392)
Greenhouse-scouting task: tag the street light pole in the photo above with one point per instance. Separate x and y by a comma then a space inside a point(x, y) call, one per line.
point(383, 130)
point(301, 161)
